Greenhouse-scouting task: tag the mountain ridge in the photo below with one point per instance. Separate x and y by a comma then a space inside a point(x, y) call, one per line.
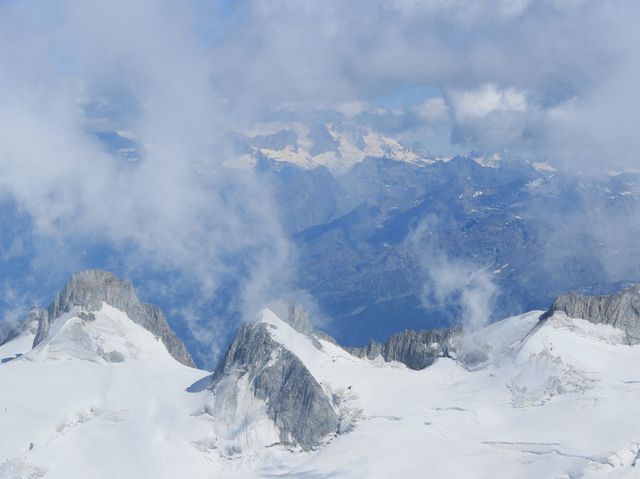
point(88, 289)
point(290, 402)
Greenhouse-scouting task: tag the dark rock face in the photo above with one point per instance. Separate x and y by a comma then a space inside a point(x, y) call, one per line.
point(621, 310)
point(296, 403)
point(89, 289)
point(415, 349)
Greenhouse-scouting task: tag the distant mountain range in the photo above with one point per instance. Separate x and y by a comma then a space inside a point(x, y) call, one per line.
point(370, 222)
point(337, 146)
point(378, 228)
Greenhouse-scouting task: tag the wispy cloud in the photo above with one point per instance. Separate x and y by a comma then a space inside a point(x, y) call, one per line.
point(454, 284)
point(142, 69)
point(550, 77)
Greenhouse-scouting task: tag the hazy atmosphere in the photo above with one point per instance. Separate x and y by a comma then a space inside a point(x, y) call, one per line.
point(362, 167)
point(117, 120)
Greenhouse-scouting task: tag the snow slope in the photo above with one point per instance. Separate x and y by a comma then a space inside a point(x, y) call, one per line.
point(18, 345)
point(66, 410)
point(552, 399)
point(555, 402)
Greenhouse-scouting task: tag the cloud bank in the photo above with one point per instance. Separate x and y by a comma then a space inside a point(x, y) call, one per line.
point(552, 78)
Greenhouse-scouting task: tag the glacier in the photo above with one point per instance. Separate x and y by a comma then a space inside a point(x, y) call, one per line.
point(534, 395)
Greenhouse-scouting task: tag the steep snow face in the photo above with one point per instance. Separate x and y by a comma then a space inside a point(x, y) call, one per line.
point(523, 398)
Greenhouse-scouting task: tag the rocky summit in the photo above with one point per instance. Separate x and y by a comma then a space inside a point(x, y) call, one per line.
point(90, 288)
point(415, 349)
point(620, 310)
point(297, 404)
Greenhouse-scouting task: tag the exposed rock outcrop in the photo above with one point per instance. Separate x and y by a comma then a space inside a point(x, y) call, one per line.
point(620, 310)
point(296, 403)
point(415, 349)
point(90, 288)
point(297, 316)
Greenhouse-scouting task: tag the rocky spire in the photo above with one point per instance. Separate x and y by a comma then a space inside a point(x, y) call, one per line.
point(90, 288)
point(296, 402)
point(620, 310)
point(415, 349)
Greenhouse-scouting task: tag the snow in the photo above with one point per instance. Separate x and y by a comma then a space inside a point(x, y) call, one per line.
point(535, 184)
point(534, 409)
point(633, 171)
point(110, 337)
point(348, 152)
point(74, 415)
point(500, 269)
point(552, 399)
point(543, 166)
point(487, 161)
point(242, 425)
point(17, 346)
point(353, 144)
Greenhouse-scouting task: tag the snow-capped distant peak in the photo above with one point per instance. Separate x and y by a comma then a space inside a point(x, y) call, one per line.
point(632, 171)
point(335, 146)
point(488, 160)
point(543, 167)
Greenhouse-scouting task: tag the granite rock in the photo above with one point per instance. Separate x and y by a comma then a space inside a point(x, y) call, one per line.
point(296, 403)
point(90, 288)
point(620, 310)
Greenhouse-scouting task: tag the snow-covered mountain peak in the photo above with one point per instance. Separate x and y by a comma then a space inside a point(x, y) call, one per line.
point(291, 312)
point(488, 160)
point(99, 396)
point(106, 335)
point(310, 347)
point(535, 395)
point(277, 370)
point(88, 291)
point(284, 332)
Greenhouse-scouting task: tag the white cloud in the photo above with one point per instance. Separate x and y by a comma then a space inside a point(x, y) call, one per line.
point(178, 74)
point(451, 281)
point(433, 110)
point(177, 208)
point(511, 60)
point(352, 108)
point(480, 102)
